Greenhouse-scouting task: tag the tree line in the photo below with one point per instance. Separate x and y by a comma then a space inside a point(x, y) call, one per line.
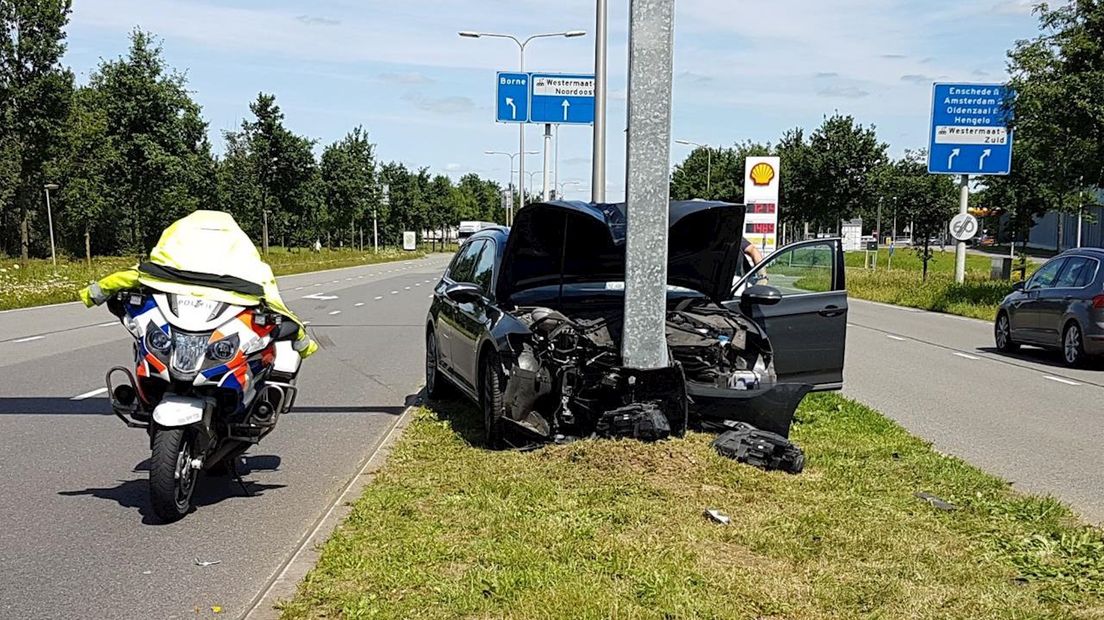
point(841, 170)
point(129, 152)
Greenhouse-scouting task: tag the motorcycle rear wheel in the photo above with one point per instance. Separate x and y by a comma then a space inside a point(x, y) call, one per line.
point(172, 477)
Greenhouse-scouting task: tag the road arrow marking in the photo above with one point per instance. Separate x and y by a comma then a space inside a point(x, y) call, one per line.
point(984, 154)
point(87, 395)
point(320, 297)
point(950, 160)
point(565, 105)
point(513, 108)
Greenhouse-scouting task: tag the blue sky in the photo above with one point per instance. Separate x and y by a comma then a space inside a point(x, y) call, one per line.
point(743, 69)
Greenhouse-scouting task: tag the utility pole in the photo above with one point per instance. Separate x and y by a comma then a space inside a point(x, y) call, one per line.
point(547, 161)
point(881, 233)
point(264, 232)
point(385, 199)
point(50, 220)
point(598, 155)
point(647, 192)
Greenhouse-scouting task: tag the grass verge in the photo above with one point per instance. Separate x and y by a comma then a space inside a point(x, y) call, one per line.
point(36, 282)
point(903, 285)
point(601, 529)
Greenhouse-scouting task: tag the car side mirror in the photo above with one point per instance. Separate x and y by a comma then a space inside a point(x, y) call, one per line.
point(1018, 286)
point(464, 292)
point(760, 295)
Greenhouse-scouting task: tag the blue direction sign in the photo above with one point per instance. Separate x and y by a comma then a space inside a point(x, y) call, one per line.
point(512, 97)
point(560, 98)
point(969, 130)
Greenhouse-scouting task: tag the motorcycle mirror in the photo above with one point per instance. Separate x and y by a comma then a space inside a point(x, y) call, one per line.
point(286, 330)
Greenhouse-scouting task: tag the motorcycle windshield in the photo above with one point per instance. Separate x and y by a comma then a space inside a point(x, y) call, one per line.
point(188, 352)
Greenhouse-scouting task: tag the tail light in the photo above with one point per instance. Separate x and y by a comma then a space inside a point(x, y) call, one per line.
point(1098, 302)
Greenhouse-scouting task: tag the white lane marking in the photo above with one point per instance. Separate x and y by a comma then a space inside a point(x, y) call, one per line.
point(334, 281)
point(378, 298)
point(359, 304)
point(108, 324)
point(427, 281)
point(306, 322)
point(966, 356)
point(431, 296)
point(406, 288)
point(320, 297)
point(1061, 380)
point(394, 292)
point(297, 288)
point(360, 277)
point(319, 284)
point(348, 279)
point(897, 338)
point(417, 284)
point(95, 392)
point(335, 312)
point(30, 339)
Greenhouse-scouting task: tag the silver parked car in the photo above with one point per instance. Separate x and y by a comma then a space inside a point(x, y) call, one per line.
point(1060, 307)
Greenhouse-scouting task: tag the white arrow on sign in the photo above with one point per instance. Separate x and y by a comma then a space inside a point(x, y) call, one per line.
point(984, 154)
point(513, 108)
point(950, 160)
point(320, 297)
point(565, 105)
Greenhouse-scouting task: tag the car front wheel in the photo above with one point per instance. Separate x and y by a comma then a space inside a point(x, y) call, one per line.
point(492, 399)
point(434, 382)
point(1002, 334)
point(1073, 346)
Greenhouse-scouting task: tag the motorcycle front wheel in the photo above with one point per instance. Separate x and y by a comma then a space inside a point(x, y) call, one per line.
point(172, 477)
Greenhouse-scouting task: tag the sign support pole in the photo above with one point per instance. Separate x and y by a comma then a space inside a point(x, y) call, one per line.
point(547, 160)
point(960, 247)
point(647, 191)
point(598, 155)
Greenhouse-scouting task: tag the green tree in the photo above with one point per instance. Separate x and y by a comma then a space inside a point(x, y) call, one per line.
point(160, 165)
point(34, 96)
point(714, 173)
point(844, 157)
point(926, 201)
point(348, 177)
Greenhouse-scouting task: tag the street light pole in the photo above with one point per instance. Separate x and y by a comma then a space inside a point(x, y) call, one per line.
point(264, 215)
point(708, 164)
point(521, 69)
point(598, 152)
point(50, 220)
point(510, 210)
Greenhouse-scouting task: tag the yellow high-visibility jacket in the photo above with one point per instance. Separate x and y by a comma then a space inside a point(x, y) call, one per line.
point(206, 255)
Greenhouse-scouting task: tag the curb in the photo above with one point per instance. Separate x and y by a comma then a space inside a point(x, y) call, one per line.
point(283, 582)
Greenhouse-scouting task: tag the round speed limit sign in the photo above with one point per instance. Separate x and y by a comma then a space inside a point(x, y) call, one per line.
point(963, 227)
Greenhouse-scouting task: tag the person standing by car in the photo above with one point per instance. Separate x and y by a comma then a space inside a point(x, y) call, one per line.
point(751, 255)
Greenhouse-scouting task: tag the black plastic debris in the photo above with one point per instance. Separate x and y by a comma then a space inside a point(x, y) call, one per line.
point(936, 502)
point(762, 449)
point(643, 421)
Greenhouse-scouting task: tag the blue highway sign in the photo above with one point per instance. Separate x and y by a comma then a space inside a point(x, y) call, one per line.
point(559, 98)
point(969, 131)
point(512, 97)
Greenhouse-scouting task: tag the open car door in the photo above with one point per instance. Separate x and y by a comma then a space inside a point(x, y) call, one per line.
point(808, 328)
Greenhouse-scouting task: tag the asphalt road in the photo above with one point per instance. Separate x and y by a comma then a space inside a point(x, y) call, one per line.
point(77, 536)
point(1023, 417)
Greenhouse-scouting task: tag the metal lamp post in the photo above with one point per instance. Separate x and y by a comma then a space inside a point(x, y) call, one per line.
point(510, 209)
point(50, 219)
point(708, 164)
point(560, 187)
point(521, 49)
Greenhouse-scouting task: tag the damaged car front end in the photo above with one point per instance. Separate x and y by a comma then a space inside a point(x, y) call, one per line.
point(548, 327)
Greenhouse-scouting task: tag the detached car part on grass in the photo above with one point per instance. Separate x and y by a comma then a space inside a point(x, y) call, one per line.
point(537, 311)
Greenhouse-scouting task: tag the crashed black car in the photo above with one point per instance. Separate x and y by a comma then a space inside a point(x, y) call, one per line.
point(527, 323)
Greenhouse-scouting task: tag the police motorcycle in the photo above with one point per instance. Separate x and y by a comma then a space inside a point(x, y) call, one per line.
point(210, 380)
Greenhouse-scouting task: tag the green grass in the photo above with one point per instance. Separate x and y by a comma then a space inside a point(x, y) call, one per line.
point(978, 297)
point(35, 282)
point(614, 529)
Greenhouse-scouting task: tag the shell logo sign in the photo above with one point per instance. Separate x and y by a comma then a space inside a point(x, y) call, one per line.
point(762, 174)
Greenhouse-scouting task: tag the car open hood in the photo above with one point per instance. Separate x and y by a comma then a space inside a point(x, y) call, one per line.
point(579, 242)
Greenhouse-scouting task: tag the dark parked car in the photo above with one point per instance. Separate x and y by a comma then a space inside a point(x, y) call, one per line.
point(1060, 307)
point(527, 323)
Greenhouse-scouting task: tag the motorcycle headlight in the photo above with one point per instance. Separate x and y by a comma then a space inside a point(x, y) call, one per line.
point(188, 350)
point(157, 340)
point(223, 350)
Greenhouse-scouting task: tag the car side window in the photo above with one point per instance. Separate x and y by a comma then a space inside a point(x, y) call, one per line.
point(1088, 274)
point(798, 270)
point(463, 266)
point(484, 268)
point(1046, 275)
point(1074, 272)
